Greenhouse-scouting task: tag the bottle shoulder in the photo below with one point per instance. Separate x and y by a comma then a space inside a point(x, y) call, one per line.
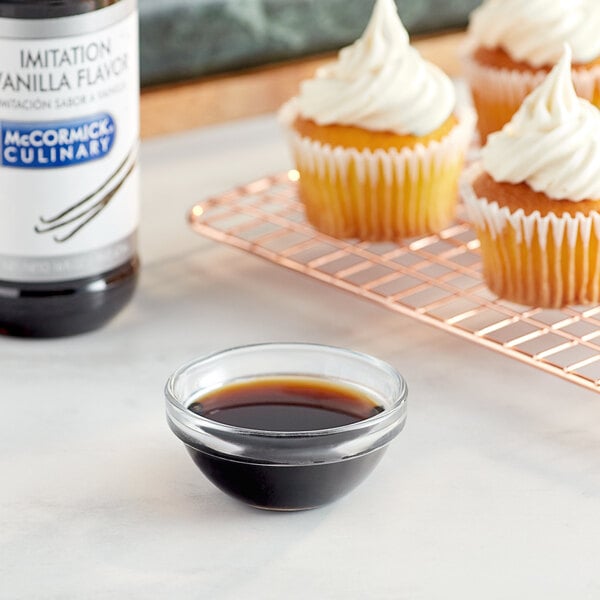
point(50, 9)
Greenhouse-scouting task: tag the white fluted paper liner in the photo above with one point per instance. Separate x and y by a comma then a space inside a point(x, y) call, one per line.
point(403, 172)
point(554, 244)
point(509, 87)
point(487, 214)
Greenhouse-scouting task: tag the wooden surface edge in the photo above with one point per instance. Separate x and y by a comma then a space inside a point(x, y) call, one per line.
point(178, 107)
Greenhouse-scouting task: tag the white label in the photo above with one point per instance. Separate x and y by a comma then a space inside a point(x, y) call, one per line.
point(69, 129)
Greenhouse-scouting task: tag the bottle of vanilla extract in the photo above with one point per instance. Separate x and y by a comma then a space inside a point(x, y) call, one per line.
point(69, 127)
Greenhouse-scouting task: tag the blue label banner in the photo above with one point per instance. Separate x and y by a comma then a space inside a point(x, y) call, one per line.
point(55, 144)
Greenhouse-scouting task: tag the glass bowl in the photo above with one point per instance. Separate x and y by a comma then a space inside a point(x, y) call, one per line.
point(286, 470)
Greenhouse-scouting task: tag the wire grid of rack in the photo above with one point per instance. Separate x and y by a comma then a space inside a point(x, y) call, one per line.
point(435, 279)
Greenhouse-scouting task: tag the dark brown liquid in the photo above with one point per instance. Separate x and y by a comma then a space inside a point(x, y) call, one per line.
point(42, 310)
point(285, 405)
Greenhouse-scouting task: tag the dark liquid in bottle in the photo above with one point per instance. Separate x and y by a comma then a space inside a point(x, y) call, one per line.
point(290, 405)
point(58, 309)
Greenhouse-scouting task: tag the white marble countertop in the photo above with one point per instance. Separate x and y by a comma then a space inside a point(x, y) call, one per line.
point(492, 490)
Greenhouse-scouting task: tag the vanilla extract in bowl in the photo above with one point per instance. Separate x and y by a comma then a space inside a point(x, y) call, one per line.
point(288, 426)
point(286, 404)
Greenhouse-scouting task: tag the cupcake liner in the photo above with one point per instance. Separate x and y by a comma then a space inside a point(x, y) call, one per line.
point(498, 93)
point(381, 194)
point(547, 261)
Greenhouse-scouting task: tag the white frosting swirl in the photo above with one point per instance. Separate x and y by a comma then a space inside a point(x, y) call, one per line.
point(534, 31)
point(380, 83)
point(552, 142)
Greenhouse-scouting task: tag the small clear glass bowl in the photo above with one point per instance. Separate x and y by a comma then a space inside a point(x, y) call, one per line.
point(285, 470)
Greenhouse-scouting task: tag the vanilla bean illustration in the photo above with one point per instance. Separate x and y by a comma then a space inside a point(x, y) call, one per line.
point(92, 216)
point(89, 196)
point(88, 213)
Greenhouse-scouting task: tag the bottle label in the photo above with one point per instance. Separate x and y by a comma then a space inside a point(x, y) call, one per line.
point(69, 129)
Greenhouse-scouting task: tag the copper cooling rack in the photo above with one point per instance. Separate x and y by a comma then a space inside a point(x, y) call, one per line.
point(435, 279)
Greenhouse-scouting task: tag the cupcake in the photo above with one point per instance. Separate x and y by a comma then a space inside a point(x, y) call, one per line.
point(376, 139)
point(534, 198)
point(513, 44)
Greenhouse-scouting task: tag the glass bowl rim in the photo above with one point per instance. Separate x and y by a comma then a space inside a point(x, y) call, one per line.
point(396, 412)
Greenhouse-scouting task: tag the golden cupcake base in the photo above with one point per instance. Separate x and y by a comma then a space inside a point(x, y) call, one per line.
point(533, 255)
point(365, 204)
point(553, 278)
point(378, 186)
